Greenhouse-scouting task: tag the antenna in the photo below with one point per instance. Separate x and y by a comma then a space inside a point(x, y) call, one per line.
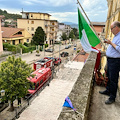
point(22, 9)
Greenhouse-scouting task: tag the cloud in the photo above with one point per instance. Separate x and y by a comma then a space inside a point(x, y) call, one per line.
point(94, 5)
point(12, 10)
point(27, 2)
point(51, 3)
point(61, 10)
point(66, 16)
point(96, 10)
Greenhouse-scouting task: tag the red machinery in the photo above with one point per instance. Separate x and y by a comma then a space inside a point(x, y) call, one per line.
point(42, 76)
point(57, 61)
point(45, 62)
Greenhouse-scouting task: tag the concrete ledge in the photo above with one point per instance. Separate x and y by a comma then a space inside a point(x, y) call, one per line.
point(81, 92)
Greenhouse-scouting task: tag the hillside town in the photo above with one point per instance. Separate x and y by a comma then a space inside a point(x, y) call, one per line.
point(51, 70)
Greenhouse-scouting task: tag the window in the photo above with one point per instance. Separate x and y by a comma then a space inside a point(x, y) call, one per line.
point(20, 33)
point(32, 86)
point(31, 15)
point(32, 22)
point(13, 42)
point(37, 85)
point(28, 28)
point(53, 24)
point(19, 40)
point(28, 21)
point(27, 40)
point(41, 81)
point(32, 28)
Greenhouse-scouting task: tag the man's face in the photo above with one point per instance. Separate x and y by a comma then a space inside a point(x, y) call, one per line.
point(113, 29)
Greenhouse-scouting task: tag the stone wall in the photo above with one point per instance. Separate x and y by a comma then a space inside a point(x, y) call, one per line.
point(81, 92)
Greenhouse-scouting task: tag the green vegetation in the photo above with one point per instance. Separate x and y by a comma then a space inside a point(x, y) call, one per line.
point(39, 37)
point(46, 45)
point(75, 31)
point(16, 48)
point(64, 36)
point(71, 35)
point(13, 78)
point(9, 15)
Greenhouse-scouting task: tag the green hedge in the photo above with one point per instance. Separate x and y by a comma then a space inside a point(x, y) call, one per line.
point(9, 47)
point(16, 48)
point(46, 45)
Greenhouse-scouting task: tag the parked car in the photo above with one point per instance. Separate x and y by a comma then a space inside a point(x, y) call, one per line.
point(75, 45)
point(64, 54)
point(66, 47)
point(69, 46)
point(49, 50)
point(57, 61)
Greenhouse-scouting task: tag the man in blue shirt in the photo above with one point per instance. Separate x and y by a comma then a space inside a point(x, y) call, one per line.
point(113, 63)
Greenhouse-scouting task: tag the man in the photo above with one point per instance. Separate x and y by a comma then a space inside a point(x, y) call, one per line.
point(113, 63)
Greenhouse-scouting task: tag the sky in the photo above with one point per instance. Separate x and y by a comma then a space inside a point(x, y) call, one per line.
point(61, 10)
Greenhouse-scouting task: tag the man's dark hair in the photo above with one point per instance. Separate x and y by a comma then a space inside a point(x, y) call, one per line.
point(117, 23)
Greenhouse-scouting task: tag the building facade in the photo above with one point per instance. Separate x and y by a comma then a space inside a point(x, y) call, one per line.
point(113, 15)
point(65, 28)
point(99, 27)
point(1, 44)
point(15, 36)
point(32, 20)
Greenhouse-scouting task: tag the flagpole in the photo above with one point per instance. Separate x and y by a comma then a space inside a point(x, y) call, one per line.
point(89, 20)
point(86, 16)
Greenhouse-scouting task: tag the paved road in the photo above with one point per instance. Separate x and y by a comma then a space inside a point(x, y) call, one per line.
point(30, 58)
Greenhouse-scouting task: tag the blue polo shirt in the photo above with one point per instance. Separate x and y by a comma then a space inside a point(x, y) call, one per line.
point(114, 52)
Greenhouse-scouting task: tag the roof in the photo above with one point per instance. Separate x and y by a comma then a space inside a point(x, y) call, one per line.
point(10, 32)
point(38, 74)
point(2, 16)
point(36, 13)
point(37, 19)
point(98, 23)
point(61, 24)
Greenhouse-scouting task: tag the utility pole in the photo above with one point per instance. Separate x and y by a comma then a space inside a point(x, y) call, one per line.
point(52, 60)
point(59, 51)
point(44, 46)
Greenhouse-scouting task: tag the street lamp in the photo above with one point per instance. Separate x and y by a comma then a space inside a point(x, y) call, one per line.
point(2, 93)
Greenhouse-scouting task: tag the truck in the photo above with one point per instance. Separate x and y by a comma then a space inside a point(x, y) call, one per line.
point(43, 63)
point(46, 62)
point(42, 75)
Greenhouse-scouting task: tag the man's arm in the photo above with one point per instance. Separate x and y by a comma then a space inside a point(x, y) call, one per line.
point(117, 47)
point(109, 42)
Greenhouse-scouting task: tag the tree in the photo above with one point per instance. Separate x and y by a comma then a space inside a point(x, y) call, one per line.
point(13, 79)
point(75, 30)
point(6, 24)
point(39, 37)
point(71, 35)
point(64, 36)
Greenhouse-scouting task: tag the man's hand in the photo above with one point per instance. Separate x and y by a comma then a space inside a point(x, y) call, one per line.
point(110, 42)
point(107, 41)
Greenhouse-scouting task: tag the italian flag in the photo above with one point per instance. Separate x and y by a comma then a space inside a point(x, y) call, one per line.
point(88, 38)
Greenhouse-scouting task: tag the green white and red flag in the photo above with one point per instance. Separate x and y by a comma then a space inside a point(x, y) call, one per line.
point(88, 38)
